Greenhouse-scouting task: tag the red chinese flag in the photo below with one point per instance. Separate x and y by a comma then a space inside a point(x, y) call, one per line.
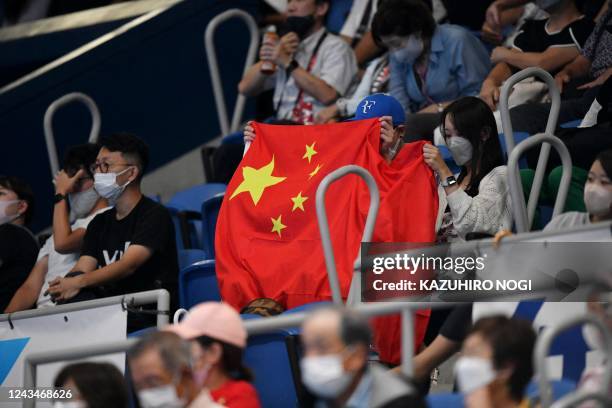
point(268, 242)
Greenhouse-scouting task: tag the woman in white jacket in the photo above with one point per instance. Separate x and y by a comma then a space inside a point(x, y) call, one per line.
point(477, 199)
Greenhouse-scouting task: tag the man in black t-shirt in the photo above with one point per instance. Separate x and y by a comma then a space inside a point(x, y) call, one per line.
point(130, 248)
point(18, 247)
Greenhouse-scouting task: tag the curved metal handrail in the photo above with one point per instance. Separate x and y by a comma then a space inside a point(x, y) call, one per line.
point(542, 349)
point(328, 250)
point(551, 125)
point(48, 123)
point(213, 66)
point(504, 109)
point(523, 216)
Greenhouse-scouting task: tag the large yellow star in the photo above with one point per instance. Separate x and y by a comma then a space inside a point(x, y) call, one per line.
point(310, 151)
point(315, 171)
point(298, 202)
point(277, 225)
point(256, 180)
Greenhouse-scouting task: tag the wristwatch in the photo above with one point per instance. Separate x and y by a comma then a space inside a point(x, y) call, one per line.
point(293, 64)
point(451, 180)
point(58, 197)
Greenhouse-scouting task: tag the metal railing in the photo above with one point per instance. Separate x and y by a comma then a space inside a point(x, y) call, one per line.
point(541, 352)
point(524, 214)
point(504, 109)
point(551, 125)
point(328, 250)
point(159, 296)
point(48, 123)
point(213, 66)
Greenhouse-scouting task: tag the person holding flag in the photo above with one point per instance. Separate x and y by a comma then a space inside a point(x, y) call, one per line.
point(382, 106)
point(268, 243)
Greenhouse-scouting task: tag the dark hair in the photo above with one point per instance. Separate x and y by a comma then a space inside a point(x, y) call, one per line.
point(402, 18)
point(231, 359)
point(81, 156)
point(605, 158)
point(471, 117)
point(130, 146)
point(23, 191)
point(354, 329)
point(101, 385)
point(512, 342)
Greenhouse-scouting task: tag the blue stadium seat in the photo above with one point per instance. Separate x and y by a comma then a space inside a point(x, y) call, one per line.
point(338, 11)
point(445, 400)
point(518, 138)
point(188, 257)
point(185, 207)
point(560, 388)
point(198, 283)
point(571, 124)
point(142, 332)
point(210, 212)
point(267, 356)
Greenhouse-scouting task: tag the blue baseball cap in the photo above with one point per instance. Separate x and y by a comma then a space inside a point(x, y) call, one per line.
point(380, 104)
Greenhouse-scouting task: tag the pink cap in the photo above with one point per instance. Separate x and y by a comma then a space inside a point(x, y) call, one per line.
point(213, 319)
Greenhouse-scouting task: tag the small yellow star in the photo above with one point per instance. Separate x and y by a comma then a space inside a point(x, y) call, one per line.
point(315, 171)
point(310, 151)
point(256, 180)
point(277, 225)
point(298, 202)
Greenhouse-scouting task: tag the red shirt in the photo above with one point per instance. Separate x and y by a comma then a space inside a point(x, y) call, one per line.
point(236, 394)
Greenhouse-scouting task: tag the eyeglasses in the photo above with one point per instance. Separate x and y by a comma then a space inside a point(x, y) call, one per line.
point(104, 167)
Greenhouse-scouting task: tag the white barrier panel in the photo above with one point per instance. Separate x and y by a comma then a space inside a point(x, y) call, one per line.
point(57, 332)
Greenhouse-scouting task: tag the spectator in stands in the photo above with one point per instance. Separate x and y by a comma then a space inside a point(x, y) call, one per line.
point(218, 339)
point(130, 248)
point(92, 385)
point(496, 363)
point(593, 65)
point(335, 365)
point(314, 67)
point(478, 199)
point(74, 184)
point(375, 80)
point(161, 369)
point(593, 376)
point(548, 44)
point(431, 65)
point(18, 247)
point(385, 107)
point(597, 197)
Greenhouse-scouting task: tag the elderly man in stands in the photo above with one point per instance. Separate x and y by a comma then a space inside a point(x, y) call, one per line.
point(161, 368)
point(335, 365)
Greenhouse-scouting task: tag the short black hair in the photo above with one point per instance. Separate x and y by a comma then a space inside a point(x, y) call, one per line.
point(81, 156)
point(512, 341)
point(355, 329)
point(130, 146)
point(605, 158)
point(23, 191)
point(101, 385)
point(402, 18)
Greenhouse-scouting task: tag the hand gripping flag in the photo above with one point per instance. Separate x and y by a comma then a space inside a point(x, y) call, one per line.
point(267, 238)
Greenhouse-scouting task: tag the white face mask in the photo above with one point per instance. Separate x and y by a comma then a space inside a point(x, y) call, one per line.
point(106, 185)
point(82, 202)
point(160, 397)
point(324, 376)
point(69, 404)
point(473, 373)
point(4, 216)
point(410, 51)
point(597, 199)
point(461, 149)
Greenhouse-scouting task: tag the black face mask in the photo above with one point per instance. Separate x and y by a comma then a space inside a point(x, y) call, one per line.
point(299, 25)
